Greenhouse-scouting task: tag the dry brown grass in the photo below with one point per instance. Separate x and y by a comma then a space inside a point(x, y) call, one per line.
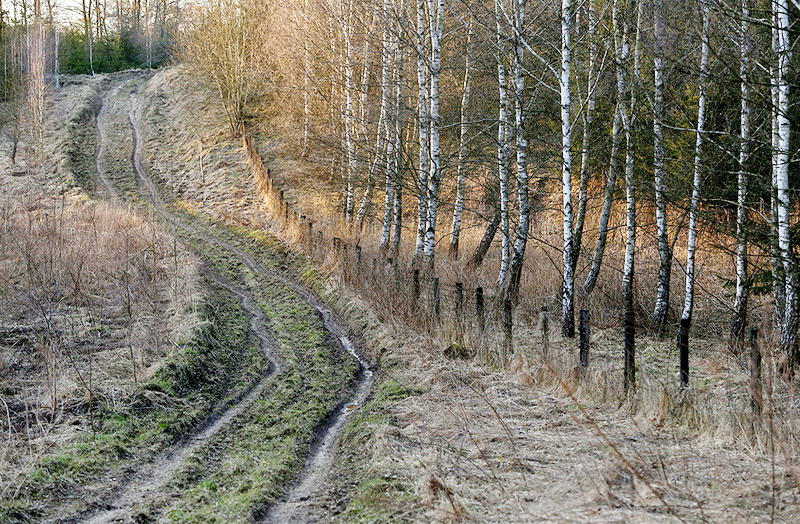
point(531, 438)
point(93, 296)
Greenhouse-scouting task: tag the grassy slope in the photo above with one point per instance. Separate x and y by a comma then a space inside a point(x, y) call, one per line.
point(247, 466)
point(215, 363)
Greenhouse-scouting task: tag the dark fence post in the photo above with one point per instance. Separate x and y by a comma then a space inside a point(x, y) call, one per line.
point(756, 399)
point(415, 282)
point(459, 298)
point(683, 349)
point(479, 308)
point(584, 330)
point(508, 327)
point(436, 297)
point(358, 259)
point(544, 328)
point(629, 327)
point(310, 231)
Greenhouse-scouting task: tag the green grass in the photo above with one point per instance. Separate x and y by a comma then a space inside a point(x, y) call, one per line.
point(213, 365)
point(378, 496)
point(252, 462)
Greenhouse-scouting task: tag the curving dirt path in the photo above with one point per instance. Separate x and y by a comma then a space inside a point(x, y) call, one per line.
point(153, 476)
point(298, 505)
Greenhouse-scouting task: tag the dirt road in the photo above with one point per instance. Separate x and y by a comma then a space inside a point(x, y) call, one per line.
point(151, 478)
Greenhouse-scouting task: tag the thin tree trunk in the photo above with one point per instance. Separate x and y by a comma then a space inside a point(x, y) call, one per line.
point(568, 287)
point(398, 147)
point(349, 120)
point(478, 256)
point(424, 127)
point(691, 245)
point(523, 226)
point(436, 28)
point(783, 133)
point(664, 252)
point(503, 146)
point(608, 199)
point(740, 305)
point(461, 185)
point(588, 121)
point(628, 271)
point(382, 135)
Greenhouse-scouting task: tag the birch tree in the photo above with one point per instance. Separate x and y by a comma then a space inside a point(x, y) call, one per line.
point(349, 118)
point(659, 177)
point(691, 244)
point(436, 29)
point(423, 128)
point(503, 145)
point(782, 132)
point(742, 289)
point(568, 290)
point(622, 47)
point(461, 184)
point(511, 288)
point(588, 121)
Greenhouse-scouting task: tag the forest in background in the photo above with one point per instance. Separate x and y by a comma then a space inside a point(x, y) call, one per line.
point(606, 129)
point(450, 177)
point(630, 125)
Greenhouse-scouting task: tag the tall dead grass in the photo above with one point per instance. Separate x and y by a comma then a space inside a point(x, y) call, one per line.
point(93, 297)
point(717, 407)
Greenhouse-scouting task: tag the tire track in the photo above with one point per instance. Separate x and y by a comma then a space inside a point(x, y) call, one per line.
point(298, 504)
point(153, 476)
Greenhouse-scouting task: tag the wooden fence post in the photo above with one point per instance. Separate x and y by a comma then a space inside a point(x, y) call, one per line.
point(508, 328)
point(358, 259)
point(479, 307)
point(459, 299)
point(756, 399)
point(683, 350)
point(415, 283)
point(544, 328)
point(436, 297)
point(629, 328)
point(584, 338)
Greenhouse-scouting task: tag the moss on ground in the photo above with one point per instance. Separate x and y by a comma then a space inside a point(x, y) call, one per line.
point(377, 495)
point(81, 145)
point(252, 462)
point(204, 371)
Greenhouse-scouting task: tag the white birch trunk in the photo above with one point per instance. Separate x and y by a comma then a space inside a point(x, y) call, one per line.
point(781, 167)
point(659, 172)
point(691, 245)
point(568, 288)
point(424, 127)
point(523, 226)
point(382, 138)
point(778, 276)
point(461, 185)
point(742, 290)
point(628, 271)
point(436, 28)
point(503, 147)
point(588, 121)
point(349, 120)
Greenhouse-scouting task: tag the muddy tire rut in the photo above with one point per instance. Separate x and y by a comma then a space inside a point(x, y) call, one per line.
point(298, 505)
